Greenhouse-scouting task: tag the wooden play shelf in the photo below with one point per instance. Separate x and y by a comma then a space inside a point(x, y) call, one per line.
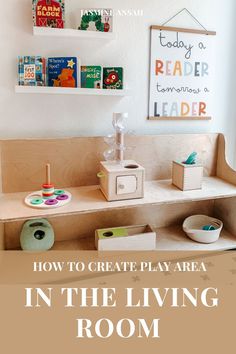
point(69, 91)
point(76, 162)
point(71, 33)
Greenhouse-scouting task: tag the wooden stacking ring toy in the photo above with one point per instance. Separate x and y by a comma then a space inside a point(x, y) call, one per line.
point(48, 197)
point(48, 187)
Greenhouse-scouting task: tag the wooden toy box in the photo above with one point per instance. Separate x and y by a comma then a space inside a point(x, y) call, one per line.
point(187, 177)
point(129, 238)
point(122, 180)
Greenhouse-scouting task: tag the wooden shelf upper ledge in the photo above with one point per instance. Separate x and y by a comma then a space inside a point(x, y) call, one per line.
point(90, 199)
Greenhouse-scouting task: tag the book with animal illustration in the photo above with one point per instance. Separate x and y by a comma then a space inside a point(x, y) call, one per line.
point(96, 20)
point(31, 71)
point(48, 13)
point(113, 78)
point(62, 72)
point(91, 77)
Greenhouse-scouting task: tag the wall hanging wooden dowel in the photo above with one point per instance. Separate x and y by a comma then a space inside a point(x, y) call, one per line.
point(179, 118)
point(184, 30)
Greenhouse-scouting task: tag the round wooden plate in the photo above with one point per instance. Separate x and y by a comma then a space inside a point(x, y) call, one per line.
point(35, 200)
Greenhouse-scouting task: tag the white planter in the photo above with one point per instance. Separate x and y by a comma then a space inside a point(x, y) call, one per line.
point(187, 177)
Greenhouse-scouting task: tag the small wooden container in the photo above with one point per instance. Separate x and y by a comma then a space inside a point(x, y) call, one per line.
point(130, 238)
point(122, 180)
point(187, 177)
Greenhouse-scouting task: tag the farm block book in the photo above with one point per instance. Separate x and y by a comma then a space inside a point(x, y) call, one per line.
point(49, 13)
point(62, 72)
point(31, 71)
point(91, 77)
point(113, 78)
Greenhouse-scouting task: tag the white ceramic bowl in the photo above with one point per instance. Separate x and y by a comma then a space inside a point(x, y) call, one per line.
point(193, 227)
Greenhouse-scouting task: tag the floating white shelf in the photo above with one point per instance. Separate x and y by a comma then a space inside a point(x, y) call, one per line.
point(91, 200)
point(72, 33)
point(70, 91)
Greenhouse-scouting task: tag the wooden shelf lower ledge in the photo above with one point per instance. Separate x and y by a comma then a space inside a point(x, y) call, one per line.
point(168, 239)
point(90, 199)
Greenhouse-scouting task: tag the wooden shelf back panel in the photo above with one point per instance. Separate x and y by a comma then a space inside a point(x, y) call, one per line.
point(75, 161)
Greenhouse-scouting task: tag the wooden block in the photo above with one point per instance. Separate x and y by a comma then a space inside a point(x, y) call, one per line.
point(122, 180)
point(187, 177)
point(130, 238)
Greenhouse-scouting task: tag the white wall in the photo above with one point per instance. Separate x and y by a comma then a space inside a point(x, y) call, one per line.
point(54, 116)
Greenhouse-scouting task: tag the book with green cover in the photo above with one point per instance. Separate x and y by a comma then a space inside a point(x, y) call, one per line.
point(113, 78)
point(91, 77)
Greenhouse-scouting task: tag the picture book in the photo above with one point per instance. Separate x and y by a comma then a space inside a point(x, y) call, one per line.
point(96, 20)
point(91, 77)
point(113, 78)
point(62, 72)
point(49, 13)
point(32, 71)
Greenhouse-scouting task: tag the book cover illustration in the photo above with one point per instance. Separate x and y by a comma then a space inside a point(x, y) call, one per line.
point(62, 72)
point(32, 71)
point(49, 13)
point(113, 78)
point(96, 20)
point(91, 77)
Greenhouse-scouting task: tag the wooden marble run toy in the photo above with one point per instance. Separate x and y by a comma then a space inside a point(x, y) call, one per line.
point(120, 179)
point(48, 197)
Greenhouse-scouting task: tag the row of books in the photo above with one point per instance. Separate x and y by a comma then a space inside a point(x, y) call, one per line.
point(67, 72)
point(51, 13)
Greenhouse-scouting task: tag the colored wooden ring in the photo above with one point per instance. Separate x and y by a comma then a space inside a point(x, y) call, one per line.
point(62, 197)
point(59, 192)
point(48, 186)
point(51, 202)
point(37, 201)
point(48, 190)
point(46, 194)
